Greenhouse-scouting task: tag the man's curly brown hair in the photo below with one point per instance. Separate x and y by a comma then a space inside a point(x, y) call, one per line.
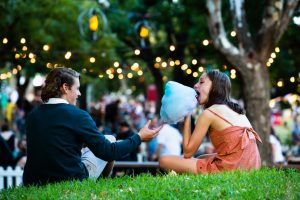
point(55, 79)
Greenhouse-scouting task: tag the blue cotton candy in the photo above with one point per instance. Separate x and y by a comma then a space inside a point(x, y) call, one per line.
point(177, 102)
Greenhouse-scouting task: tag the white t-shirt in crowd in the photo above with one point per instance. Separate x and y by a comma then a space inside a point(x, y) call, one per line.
point(171, 140)
point(277, 157)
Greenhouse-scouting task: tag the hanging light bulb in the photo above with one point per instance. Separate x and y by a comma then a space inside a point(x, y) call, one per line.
point(93, 22)
point(144, 32)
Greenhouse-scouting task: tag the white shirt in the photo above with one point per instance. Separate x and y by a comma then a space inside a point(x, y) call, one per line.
point(171, 140)
point(56, 101)
point(277, 157)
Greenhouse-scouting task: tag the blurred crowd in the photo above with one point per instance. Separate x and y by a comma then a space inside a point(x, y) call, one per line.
point(123, 116)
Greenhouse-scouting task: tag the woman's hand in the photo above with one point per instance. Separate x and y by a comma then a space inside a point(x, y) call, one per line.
point(147, 134)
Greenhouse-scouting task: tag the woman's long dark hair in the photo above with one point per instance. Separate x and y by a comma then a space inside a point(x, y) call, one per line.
point(220, 91)
point(55, 79)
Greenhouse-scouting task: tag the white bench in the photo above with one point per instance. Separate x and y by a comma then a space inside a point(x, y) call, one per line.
point(10, 177)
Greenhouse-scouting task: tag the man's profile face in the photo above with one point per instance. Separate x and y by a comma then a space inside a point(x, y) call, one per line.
point(73, 92)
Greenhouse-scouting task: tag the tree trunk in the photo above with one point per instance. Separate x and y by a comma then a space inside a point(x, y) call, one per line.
point(257, 97)
point(250, 55)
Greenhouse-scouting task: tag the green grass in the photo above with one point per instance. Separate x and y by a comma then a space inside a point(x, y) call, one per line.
point(262, 184)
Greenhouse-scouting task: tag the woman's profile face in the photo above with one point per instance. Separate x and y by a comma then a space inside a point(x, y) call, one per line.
point(203, 87)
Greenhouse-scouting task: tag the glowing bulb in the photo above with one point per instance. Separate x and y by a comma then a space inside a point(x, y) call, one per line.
point(92, 59)
point(5, 41)
point(233, 33)
point(129, 75)
point(68, 55)
point(137, 52)
point(194, 62)
point(273, 55)
point(116, 64)
point(172, 48)
point(157, 59)
point(46, 47)
point(23, 41)
point(205, 42)
point(292, 79)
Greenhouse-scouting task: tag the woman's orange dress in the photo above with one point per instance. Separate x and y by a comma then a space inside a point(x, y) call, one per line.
point(236, 149)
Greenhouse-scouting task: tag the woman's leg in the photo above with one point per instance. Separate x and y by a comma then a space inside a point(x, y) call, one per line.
point(178, 164)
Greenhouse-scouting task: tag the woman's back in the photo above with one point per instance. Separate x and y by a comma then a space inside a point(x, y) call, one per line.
point(224, 117)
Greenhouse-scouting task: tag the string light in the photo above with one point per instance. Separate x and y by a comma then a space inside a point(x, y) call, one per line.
point(277, 49)
point(273, 55)
point(92, 59)
point(32, 60)
point(137, 52)
point(188, 71)
point(129, 75)
point(194, 62)
point(172, 63)
point(68, 55)
point(164, 64)
point(24, 48)
point(119, 70)
point(158, 59)
point(280, 83)
point(201, 69)
point(46, 47)
point(205, 42)
point(111, 76)
point(140, 72)
point(233, 33)
point(172, 48)
point(5, 41)
point(120, 76)
point(156, 65)
point(177, 62)
point(30, 55)
point(23, 41)
point(195, 74)
point(271, 60)
point(292, 79)
point(184, 67)
point(116, 64)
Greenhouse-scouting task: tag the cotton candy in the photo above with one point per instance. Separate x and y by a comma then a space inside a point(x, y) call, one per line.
point(177, 102)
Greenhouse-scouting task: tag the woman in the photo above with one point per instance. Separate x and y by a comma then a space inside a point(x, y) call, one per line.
point(229, 129)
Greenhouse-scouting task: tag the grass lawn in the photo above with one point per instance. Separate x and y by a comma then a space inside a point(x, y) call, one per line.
point(262, 184)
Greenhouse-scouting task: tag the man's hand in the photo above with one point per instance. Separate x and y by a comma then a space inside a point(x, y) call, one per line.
point(147, 134)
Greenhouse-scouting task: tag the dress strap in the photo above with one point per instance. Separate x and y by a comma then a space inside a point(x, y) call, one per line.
point(220, 116)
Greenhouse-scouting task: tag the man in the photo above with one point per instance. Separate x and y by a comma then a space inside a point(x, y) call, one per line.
point(57, 130)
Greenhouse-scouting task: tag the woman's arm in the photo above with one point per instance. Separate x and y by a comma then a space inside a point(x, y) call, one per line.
point(191, 142)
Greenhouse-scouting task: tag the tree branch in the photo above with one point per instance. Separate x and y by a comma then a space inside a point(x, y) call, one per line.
point(277, 14)
point(216, 28)
point(287, 13)
point(221, 42)
point(241, 27)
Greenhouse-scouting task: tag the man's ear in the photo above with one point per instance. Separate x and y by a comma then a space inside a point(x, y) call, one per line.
point(64, 88)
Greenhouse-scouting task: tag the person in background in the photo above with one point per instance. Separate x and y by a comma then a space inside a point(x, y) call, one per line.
point(57, 130)
point(152, 145)
point(124, 133)
point(229, 129)
point(277, 155)
point(169, 142)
